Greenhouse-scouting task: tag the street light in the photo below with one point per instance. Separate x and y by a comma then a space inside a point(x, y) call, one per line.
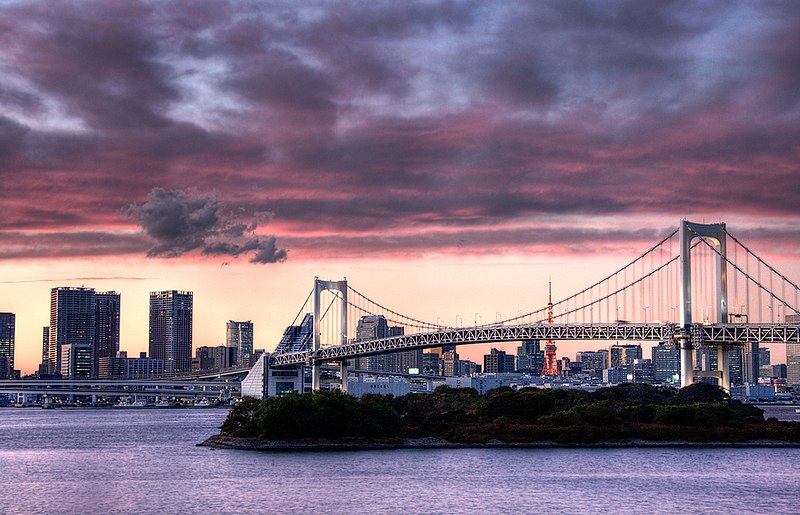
point(478, 315)
point(645, 308)
point(771, 314)
point(458, 324)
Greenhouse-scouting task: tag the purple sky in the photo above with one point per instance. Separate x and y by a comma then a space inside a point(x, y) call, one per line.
point(392, 128)
point(447, 157)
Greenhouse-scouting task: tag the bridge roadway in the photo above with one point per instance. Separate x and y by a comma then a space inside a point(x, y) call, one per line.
point(699, 334)
point(120, 387)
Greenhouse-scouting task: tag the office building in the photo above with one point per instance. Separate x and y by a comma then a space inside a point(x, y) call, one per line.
point(623, 355)
point(497, 361)
point(750, 362)
point(76, 361)
point(666, 363)
point(171, 329)
point(106, 323)
point(643, 371)
point(431, 363)
point(530, 357)
point(240, 336)
point(7, 332)
point(216, 358)
point(73, 314)
point(593, 362)
point(450, 364)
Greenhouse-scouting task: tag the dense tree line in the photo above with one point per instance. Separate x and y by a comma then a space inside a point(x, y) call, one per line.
point(700, 412)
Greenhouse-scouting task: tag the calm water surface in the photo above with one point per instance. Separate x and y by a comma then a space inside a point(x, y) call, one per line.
point(145, 461)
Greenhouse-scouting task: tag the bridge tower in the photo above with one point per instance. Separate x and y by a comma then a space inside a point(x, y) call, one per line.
point(319, 287)
point(715, 234)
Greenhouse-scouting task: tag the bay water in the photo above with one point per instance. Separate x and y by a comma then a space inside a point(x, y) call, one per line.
point(146, 461)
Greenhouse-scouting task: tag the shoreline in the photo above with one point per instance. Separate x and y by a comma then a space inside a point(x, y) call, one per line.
point(254, 444)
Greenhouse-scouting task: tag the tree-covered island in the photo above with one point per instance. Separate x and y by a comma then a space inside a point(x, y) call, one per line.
point(632, 414)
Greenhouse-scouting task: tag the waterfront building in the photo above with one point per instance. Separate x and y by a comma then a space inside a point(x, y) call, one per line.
point(106, 323)
point(778, 371)
point(735, 365)
point(76, 361)
point(764, 362)
point(666, 362)
point(359, 386)
point(468, 367)
point(45, 367)
point(497, 361)
point(617, 375)
point(750, 363)
point(7, 334)
point(593, 362)
point(216, 358)
point(530, 357)
point(371, 327)
point(170, 336)
point(239, 335)
point(72, 321)
point(431, 364)
point(622, 355)
point(643, 371)
point(793, 355)
point(450, 364)
point(485, 382)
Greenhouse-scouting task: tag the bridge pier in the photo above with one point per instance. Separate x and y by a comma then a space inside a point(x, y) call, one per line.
point(343, 374)
point(724, 368)
point(687, 359)
point(316, 379)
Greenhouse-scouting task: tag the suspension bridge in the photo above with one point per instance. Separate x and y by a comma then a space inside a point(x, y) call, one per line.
point(699, 287)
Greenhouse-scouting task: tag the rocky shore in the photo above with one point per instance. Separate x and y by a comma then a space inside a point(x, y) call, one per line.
point(351, 444)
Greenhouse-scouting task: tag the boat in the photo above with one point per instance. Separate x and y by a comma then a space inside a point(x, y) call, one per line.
point(202, 403)
point(797, 410)
point(162, 404)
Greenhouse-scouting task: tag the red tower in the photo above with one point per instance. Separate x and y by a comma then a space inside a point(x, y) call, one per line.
point(550, 367)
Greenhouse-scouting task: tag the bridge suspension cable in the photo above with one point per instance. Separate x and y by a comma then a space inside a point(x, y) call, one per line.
point(757, 282)
point(607, 279)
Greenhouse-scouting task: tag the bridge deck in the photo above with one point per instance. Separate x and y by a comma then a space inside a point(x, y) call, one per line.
point(700, 334)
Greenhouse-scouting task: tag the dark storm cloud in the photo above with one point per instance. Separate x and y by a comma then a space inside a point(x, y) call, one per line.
point(179, 223)
point(423, 116)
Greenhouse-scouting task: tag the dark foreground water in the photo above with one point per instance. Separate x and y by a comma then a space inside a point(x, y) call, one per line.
point(145, 461)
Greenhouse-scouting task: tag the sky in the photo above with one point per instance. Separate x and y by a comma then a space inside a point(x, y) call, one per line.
point(446, 157)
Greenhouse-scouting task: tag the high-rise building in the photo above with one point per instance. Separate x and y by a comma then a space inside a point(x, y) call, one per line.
point(72, 322)
point(450, 364)
point(45, 367)
point(530, 357)
point(593, 362)
point(240, 335)
point(666, 362)
point(7, 331)
point(171, 329)
point(81, 316)
point(623, 355)
point(76, 361)
point(793, 355)
point(497, 361)
point(106, 323)
point(431, 363)
point(370, 327)
point(750, 363)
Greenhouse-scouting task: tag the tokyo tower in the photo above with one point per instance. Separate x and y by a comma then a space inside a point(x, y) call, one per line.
point(550, 367)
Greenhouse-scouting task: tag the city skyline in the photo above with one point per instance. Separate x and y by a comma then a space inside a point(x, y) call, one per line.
point(443, 157)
